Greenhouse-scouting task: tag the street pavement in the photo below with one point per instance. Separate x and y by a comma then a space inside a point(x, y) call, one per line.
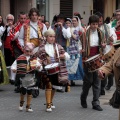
point(67, 106)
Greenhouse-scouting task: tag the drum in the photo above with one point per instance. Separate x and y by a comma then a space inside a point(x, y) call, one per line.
point(28, 80)
point(117, 44)
point(52, 68)
point(94, 63)
point(108, 53)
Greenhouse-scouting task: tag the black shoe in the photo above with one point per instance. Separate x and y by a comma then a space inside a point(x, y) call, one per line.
point(107, 87)
point(62, 91)
point(17, 90)
point(12, 82)
point(102, 92)
point(97, 107)
point(72, 83)
point(84, 103)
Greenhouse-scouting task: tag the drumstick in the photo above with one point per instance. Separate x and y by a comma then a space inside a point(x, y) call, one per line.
point(111, 35)
point(52, 64)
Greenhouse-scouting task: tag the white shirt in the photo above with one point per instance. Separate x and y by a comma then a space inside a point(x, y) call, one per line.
point(2, 29)
point(33, 34)
point(66, 33)
point(94, 39)
point(111, 32)
point(50, 51)
point(14, 65)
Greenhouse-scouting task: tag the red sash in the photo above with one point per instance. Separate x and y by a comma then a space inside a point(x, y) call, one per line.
point(118, 35)
point(94, 50)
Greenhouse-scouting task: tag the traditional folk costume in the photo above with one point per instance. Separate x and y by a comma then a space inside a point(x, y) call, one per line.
point(3, 71)
point(74, 65)
point(32, 32)
point(108, 32)
point(17, 49)
point(61, 35)
point(93, 42)
point(113, 67)
point(4, 78)
point(26, 66)
point(7, 48)
point(49, 54)
point(14, 33)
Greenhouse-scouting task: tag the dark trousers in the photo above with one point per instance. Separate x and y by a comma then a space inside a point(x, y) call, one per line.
point(110, 80)
point(91, 79)
point(9, 59)
point(109, 83)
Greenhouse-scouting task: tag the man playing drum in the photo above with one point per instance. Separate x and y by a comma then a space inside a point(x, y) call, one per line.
point(108, 51)
point(94, 41)
point(25, 66)
point(53, 58)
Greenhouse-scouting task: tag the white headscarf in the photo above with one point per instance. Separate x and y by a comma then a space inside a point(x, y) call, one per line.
point(79, 24)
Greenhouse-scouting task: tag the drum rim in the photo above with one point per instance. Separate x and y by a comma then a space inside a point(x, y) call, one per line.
point(93, 56)
point(52, 66)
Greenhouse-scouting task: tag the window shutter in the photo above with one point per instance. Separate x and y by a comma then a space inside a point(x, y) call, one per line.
point(66, 7)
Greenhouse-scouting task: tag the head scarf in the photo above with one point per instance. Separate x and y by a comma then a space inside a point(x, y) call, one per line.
point(79, 24)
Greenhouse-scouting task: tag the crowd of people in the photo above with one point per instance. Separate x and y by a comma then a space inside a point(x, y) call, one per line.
point(49, 56)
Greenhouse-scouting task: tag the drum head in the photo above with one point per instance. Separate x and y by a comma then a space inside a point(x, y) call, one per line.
point(117, 43)
point(91, 58)
point(53, 65)
point(107, 49)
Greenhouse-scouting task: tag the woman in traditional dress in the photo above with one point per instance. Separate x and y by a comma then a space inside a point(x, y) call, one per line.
point(74, 65)
point(3, 71)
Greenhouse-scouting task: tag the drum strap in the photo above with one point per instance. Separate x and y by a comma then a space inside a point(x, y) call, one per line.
point(56, 52)
point(35, 30)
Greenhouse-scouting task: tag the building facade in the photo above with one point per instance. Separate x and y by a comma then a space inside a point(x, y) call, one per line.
point(49, 8)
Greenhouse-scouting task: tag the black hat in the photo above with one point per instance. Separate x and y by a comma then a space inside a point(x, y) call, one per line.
point(61, 15)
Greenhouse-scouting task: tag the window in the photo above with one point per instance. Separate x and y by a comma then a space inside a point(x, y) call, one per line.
point(66, 7)
point(41, 6)
point(117, 4)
